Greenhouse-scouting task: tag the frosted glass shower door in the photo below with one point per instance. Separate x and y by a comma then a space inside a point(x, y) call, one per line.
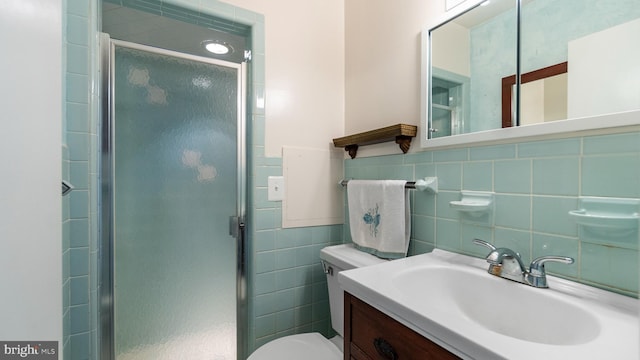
point(175, 185)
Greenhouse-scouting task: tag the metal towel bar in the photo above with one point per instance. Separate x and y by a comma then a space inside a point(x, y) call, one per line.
point(408, 185)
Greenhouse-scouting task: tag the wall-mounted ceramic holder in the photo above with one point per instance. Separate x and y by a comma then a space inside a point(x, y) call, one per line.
point(608, 221)
point(475, 206)
point(429, 184)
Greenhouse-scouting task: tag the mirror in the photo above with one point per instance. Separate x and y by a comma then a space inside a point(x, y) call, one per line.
point(577, 59)
point(543, 96)
point(468, 54)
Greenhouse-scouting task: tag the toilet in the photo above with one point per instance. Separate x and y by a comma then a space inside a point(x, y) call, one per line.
point(314, 346)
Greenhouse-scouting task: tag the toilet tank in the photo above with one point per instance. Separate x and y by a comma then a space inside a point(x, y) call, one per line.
point(335, 259)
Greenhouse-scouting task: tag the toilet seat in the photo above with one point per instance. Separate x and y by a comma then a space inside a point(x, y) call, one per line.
point(310, 346)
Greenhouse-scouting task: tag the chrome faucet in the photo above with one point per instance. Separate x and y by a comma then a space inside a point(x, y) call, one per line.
point(506, 263)
point(537, 276)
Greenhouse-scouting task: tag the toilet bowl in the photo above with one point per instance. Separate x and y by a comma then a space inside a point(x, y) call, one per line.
point(310, 346)
point(314, 346)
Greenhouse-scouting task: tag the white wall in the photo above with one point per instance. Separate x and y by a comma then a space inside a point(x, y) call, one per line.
point(30, 159)
point(323, 54)
point(383, 64)
point(304, 71)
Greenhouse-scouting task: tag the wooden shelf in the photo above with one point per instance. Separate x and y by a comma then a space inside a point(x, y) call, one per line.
point(400, 133)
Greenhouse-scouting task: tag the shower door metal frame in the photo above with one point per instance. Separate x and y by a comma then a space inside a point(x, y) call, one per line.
point(106, 194)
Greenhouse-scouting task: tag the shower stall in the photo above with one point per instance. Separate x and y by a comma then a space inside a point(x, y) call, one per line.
point(172, 202)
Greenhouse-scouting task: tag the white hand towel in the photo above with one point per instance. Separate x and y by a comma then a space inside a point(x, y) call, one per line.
point(379, 217)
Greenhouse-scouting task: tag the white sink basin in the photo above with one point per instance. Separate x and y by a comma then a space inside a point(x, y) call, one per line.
point(452, 300)
point(525, 313)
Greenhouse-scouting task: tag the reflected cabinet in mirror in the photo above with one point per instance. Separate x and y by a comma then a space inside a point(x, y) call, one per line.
point(503, 63)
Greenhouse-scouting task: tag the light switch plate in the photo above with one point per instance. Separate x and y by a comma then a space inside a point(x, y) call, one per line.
point(275, 185)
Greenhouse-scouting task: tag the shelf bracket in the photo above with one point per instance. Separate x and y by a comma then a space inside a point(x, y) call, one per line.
point(352, 150)
point(404, 142)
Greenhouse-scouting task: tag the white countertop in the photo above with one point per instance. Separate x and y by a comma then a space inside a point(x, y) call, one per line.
point(605, 324)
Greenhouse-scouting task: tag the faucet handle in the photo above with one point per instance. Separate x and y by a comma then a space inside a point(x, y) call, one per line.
point(484, 243)
point(537, 276)
point(537, 265)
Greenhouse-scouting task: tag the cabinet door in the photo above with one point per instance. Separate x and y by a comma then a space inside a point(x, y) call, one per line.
point(370, 334)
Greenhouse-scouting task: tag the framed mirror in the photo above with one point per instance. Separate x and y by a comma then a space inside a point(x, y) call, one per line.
point(589, 45)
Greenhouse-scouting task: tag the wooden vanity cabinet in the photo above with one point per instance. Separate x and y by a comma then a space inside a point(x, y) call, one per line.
point(372, 335)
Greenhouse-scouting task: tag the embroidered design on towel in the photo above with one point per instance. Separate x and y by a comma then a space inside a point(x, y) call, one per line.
point(372, 218)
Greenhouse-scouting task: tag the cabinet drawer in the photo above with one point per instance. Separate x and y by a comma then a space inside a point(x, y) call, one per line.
point(370, 334)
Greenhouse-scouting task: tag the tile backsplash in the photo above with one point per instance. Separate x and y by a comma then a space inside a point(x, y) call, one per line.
point(536, 184)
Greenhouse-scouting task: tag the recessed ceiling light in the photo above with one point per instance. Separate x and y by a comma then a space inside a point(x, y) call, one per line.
point(218, 48)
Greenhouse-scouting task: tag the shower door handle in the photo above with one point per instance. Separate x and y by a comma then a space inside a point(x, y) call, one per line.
point(236, 226)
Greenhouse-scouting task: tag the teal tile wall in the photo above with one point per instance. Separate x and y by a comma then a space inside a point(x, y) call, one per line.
point(288, 287)
point(66, 244)
point(290, 294)
point(80, 168)
point(536, 184)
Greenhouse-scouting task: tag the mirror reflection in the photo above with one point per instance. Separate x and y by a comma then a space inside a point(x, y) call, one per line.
point(473, 54)
point(543, 96)
point(468, 55)
point(599, 41)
